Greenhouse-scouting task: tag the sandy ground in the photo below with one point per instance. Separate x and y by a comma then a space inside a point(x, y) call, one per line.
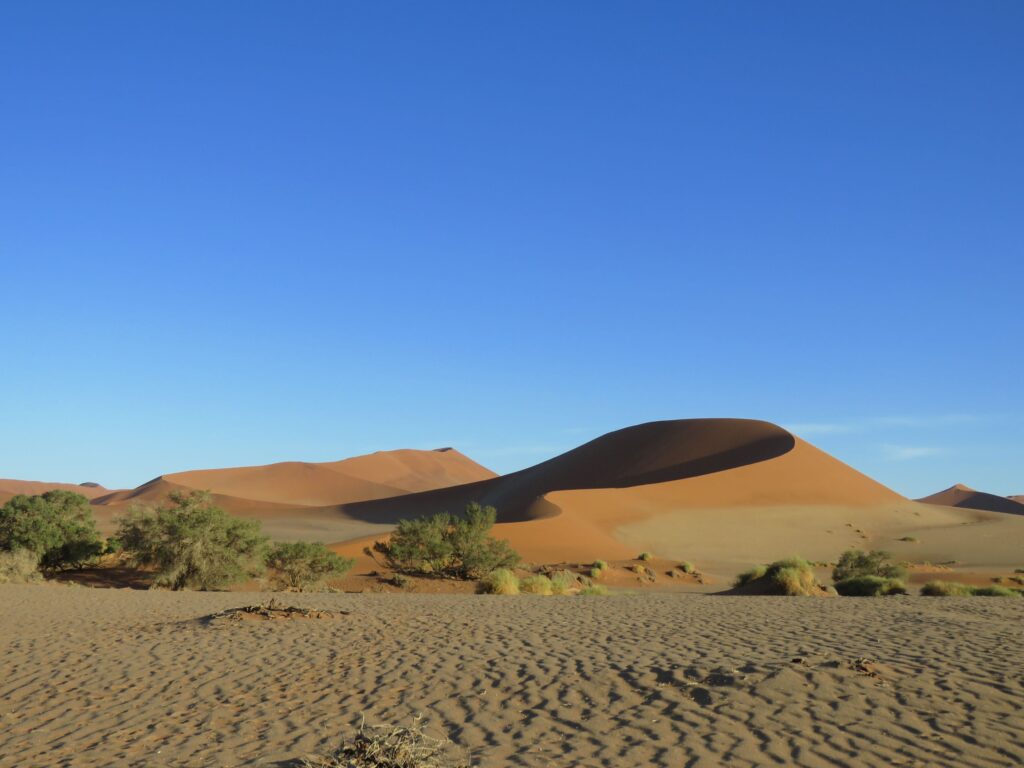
point(94, 677)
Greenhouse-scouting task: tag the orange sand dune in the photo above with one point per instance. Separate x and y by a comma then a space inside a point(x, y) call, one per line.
point(374, 476)
point(962, 496)
point(9, 488)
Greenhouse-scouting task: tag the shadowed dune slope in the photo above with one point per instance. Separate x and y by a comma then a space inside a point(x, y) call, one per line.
point(687, 451)
point(967, 498)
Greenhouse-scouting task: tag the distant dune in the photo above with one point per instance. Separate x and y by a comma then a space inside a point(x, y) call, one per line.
point(962, 496)
point(10, 488)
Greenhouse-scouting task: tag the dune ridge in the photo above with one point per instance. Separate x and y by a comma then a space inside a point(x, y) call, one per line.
point(964, 496)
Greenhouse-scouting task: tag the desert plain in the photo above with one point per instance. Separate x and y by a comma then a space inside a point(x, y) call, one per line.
point(670, 669)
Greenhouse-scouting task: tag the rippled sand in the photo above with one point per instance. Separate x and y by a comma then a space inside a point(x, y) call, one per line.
point(93, 677)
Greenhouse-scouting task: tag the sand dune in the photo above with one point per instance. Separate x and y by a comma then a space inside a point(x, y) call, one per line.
point(99, 677)
point(961, 495)
point(9, 488)
point(374, 476)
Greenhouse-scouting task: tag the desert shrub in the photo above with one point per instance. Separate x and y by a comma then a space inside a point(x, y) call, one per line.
point(386, 746)
point(594, 590)
point(910, 539)
point(399, 580)
point(870, 586)
point(192, 543)
point(538, 584)
point(499, 582)
point(444, 545)
point(995, 591)
point(854, 563)
point(791, 576)
point(112, 546)
point(19, 566)
point(57, 525)
point(955, 589)
point(686, 567)
point(563, 582)
point(595, 572)
point(601, 565)
point(1018, 570)
point(304, 565)
point(645, 556)
point(748, 577)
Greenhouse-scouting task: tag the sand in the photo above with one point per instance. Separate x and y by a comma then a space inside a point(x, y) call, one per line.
point(94, 677)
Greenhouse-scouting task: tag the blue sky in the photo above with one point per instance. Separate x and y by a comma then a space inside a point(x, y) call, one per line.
point(236, 233)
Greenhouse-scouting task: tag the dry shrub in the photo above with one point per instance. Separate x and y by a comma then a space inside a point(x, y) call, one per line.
point(499, 582)
point(793, 576)
point(390, 746)
point(537, 584)
point(594, 590)
point(645, 556)
point(563, 582)
point(955, 589)
point(19, 567)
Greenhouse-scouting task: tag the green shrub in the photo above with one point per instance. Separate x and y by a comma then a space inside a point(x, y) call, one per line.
point(499, 582)
point(399, 580)
point(192, 543)
point(910, 539)
point(594, 590)
point(112, 546)
point(595, 572)
point(57, 525)
point(645, 556)
point(791, 576)
point(995, 591)
point(601, 565)
point(955, 589)
point(444, 545)
point(563, 582)
point(537, 584)
point(870, 586)
point(19, 566)
point(304, 565)
point(854, 563)
point(748, 577)
point(686, 567)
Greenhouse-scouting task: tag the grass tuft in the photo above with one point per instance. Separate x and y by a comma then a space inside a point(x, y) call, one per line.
point(645, 556)
point(870, 586)
point(563, 582)
point(792, 576)
point(594, 590)
point(499, 582)
point(955, 589)
point(537, 584)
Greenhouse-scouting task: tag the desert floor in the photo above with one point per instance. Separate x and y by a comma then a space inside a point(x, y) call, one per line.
point(104, 677)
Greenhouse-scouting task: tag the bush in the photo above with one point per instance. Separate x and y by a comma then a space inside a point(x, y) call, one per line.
point(854, 563)
point(443, 545)
point(499, 582)
point(595, 572)
point(645, 556)
point(955, 589)
point(792, 576)
point(563, 582)
point(58, 526)
point(870, 586)
point(594, 590)
point(304, 565)
point(536, 585)
point(19, 566)
point(686, 567)
point(601, 565)
point(192, 543)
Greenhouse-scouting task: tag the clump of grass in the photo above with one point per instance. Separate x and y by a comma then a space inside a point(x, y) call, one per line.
point(910, 539)
point(645, 556)
point(399, 580)
point(388, 746)
point(870, 586)
point(596, 573)
point(791, 576)
point(499, 582)
point(601, 565)
point(1018, 570)
point(955, 589)
point(594, 590)
point(20, 566)
point(563, 582)
point(537, 584)
point(686, 567)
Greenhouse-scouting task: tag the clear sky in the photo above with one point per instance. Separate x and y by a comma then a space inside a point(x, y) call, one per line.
point(243, 232)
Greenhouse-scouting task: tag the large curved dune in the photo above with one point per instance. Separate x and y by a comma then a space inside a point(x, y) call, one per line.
point(962, 496)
